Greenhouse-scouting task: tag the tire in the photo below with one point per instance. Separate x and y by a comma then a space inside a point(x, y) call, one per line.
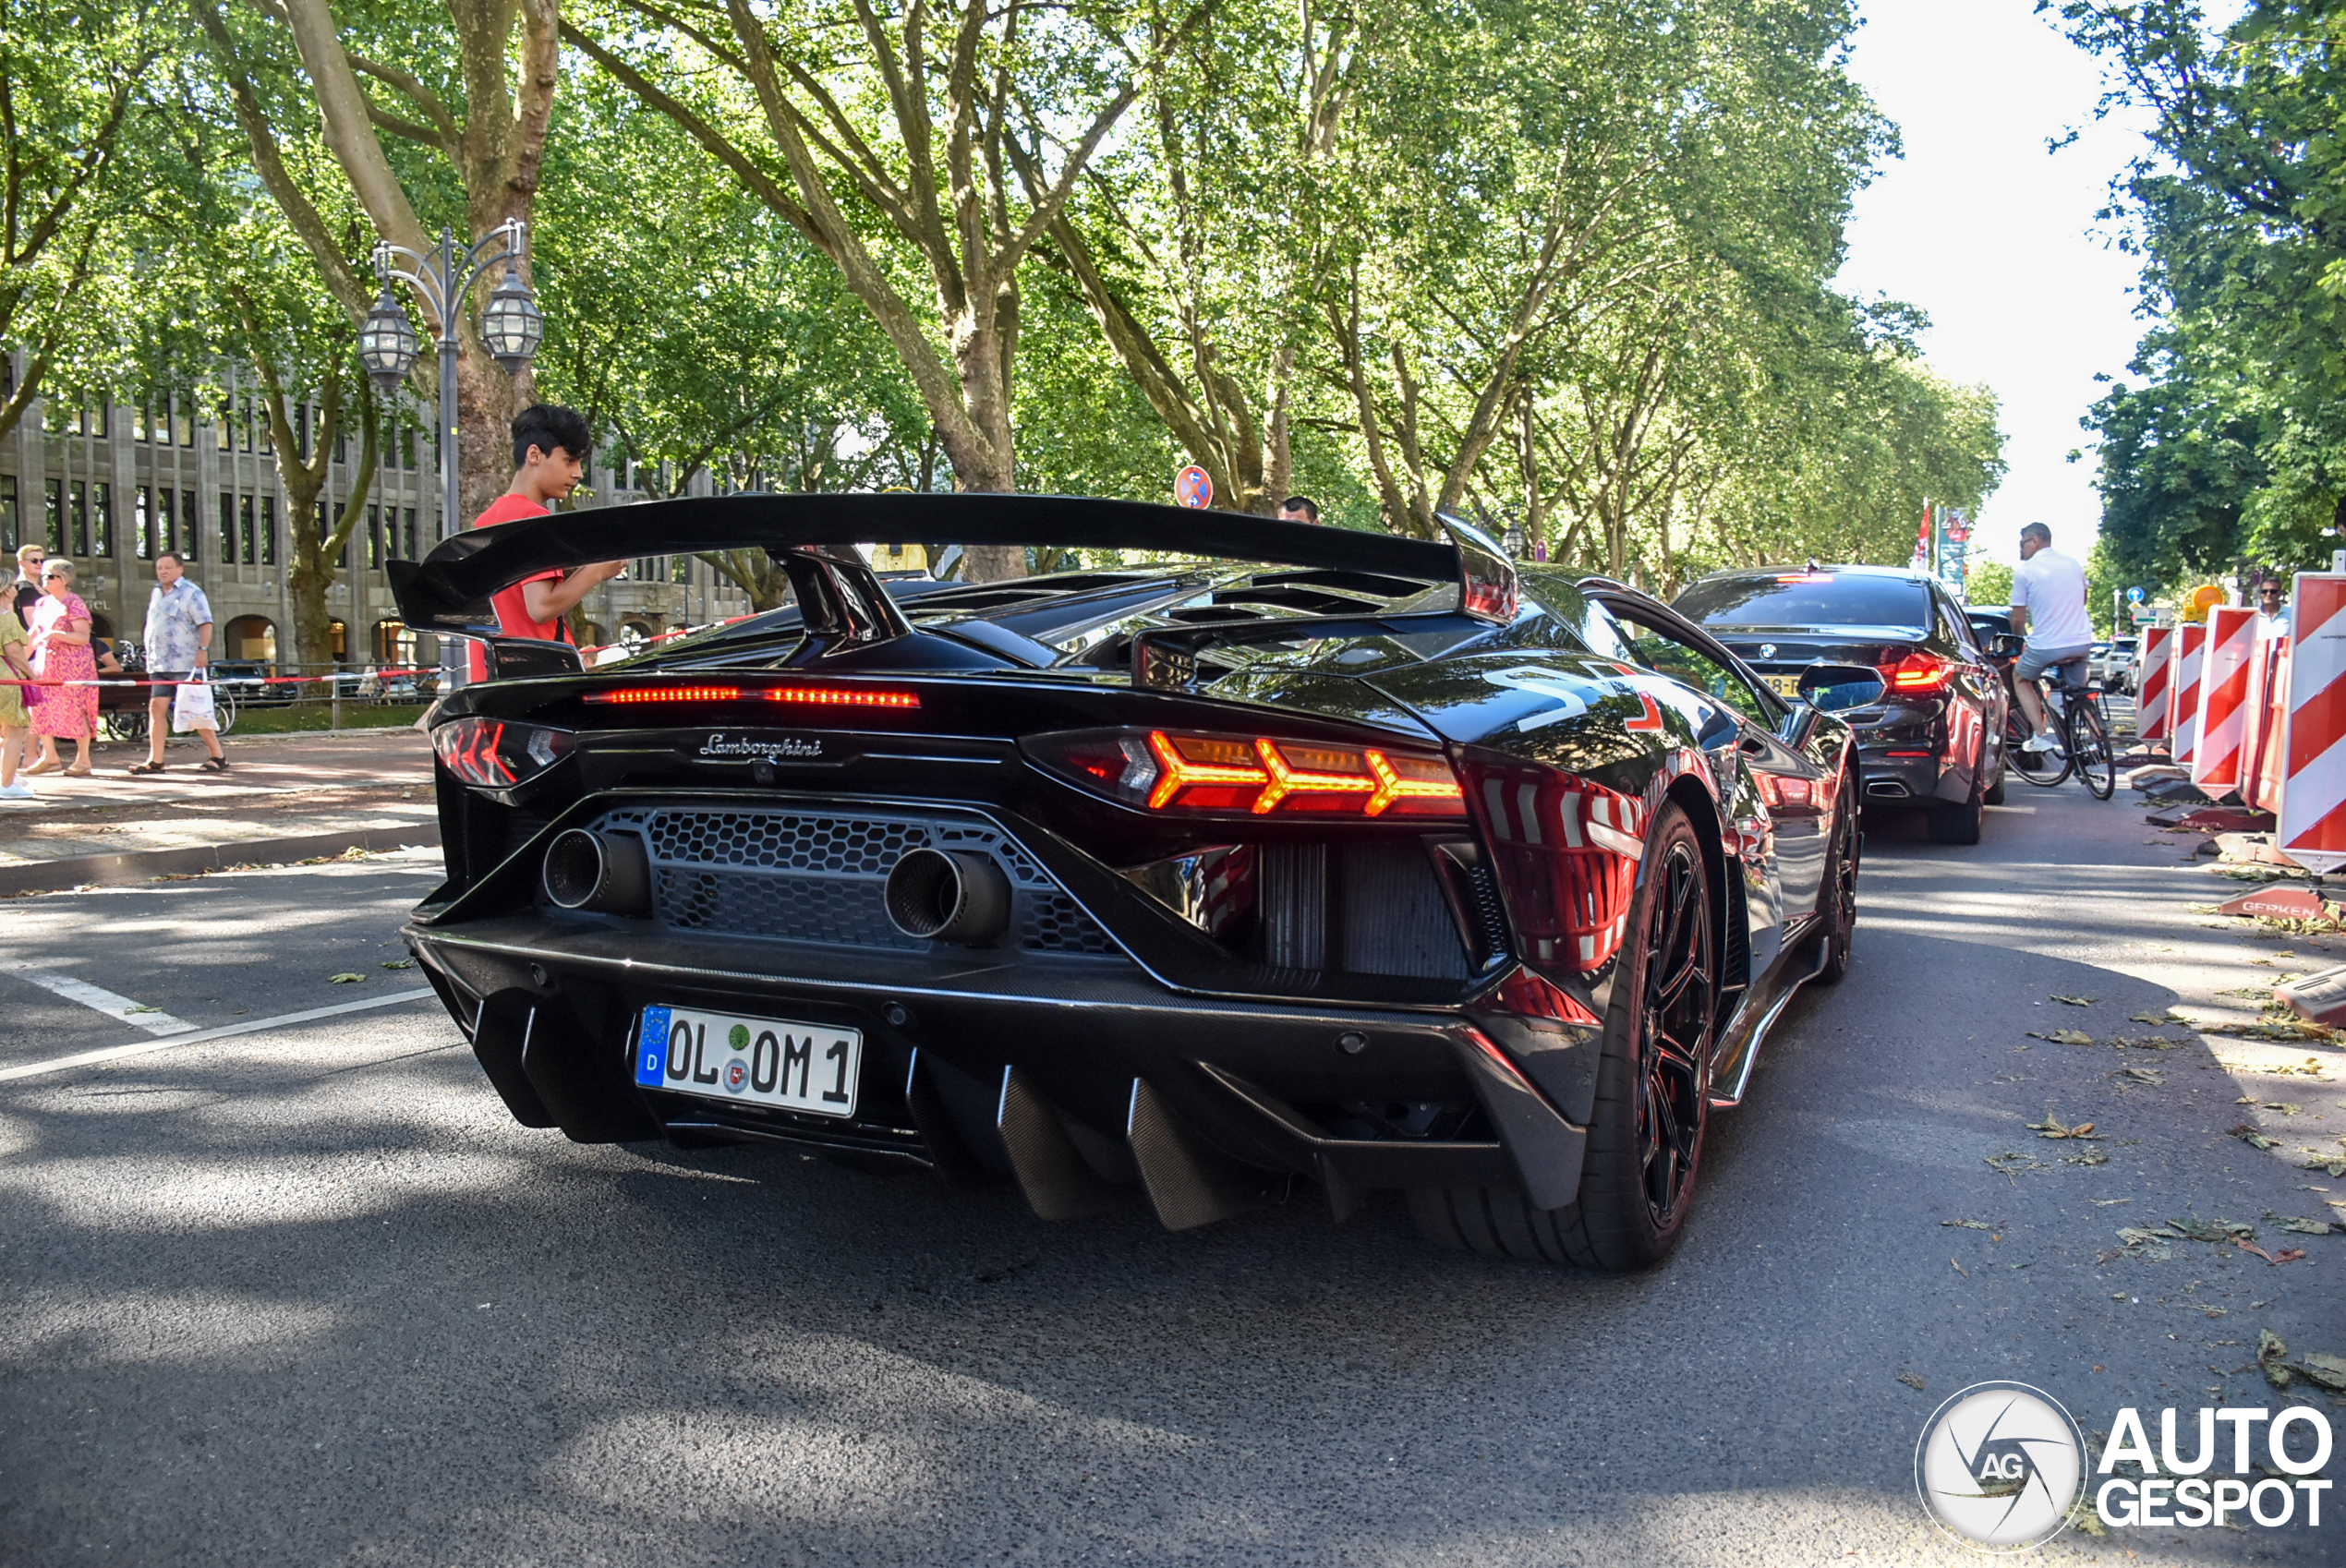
point(127, 723)
point(2039, 768)
point(2090, 753)
point(1838, 896)
point(1653, 1093)
point(223, 709)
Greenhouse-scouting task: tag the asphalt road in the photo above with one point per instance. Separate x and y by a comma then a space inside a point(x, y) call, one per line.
point(306, 1296)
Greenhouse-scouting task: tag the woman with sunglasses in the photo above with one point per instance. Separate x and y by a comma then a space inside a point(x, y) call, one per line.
point(60, 653)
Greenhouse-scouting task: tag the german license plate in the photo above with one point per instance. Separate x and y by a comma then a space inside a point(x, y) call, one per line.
point(793, 1067)
point(1785, 686)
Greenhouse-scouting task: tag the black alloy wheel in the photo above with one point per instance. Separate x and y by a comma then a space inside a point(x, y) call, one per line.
point(1645, 1140)
point(1675, 1018)
point(1837, 899)
point(2089, 749)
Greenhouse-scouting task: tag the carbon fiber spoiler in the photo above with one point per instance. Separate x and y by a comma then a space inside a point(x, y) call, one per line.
point(812, 536)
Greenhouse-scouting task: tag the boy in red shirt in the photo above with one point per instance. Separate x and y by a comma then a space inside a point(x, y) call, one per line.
point(551, 444)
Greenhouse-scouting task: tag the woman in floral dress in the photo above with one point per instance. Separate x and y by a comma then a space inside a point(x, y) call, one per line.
point(61, 652)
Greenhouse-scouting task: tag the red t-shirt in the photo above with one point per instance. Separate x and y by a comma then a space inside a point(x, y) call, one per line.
point(512, 606)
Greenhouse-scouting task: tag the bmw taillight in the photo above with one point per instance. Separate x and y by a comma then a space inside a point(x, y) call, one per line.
point(497, 753)
point(1918, 675)
point(1567, 852)
point(1185, 773)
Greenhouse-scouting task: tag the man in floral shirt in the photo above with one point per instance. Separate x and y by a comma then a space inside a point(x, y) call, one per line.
point(179, 648)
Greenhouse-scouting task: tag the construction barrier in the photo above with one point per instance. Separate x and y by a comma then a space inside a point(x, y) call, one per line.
point(2262, 748)
point(2190, 642)
point(2154, 685)
point(2312, 829)
point(2230, 650)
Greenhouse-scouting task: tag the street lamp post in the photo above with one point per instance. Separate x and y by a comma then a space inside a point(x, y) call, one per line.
point(510, 325)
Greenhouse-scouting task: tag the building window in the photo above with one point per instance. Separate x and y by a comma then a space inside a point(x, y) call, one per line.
point(244, 517)
point(301, 430)
point(411, 535)
point(227, 425)
point(227, 526)
point(183, 419)
point(10, 522)
point(143, 520)
point(268, 530)
point(52, 519)
point(163, 521)
point(189, 517)
point(101, 518)
point(680, 569)
point(80, 518)
point(374, 538)
point(101, 420)
point(407, 448)
point(138, 428)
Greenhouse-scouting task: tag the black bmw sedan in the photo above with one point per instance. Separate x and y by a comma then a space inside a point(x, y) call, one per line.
point(1935, 741)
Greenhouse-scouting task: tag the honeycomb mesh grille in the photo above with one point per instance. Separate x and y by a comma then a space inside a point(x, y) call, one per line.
point(817, 876)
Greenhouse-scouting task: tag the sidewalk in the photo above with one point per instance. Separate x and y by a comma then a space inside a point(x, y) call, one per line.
point(287, 798)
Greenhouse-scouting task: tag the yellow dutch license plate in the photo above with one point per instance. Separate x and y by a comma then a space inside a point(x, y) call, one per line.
point(1785, 686)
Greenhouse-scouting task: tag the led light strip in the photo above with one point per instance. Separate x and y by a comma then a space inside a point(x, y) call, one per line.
point(816, 696)
point(1280, 779)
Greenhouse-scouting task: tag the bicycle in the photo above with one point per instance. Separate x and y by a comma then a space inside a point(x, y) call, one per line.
point(2083, 727)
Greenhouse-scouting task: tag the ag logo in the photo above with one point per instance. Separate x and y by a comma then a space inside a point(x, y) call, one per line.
point(1999, 1465)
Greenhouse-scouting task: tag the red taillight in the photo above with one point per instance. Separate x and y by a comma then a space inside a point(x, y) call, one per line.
point(491, 753)
point(811, 696)
point(1567, 853)
point(1918, 675)
point(1806, 577)
point(1255, 775)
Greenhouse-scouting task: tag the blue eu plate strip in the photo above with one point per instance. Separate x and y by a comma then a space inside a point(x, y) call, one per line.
point(651, 1048)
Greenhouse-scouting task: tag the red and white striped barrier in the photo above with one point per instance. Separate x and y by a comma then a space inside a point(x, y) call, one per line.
point(2223, 696)
point(2190, 642)
point(2261, 750)
point(2312, 805)
point(2155, 686)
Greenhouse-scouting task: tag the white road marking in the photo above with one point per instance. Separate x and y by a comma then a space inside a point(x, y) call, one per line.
point(140, 1047)
point(135, 1014)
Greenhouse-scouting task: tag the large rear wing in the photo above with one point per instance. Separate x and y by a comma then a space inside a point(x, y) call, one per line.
point(812, 536)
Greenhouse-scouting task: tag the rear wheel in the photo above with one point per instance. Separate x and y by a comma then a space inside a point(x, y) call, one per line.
point(1653, 1093)
point(2089, 749)
point(1955, 823)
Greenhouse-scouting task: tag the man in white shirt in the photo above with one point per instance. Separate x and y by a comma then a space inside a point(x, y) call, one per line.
point(2048, 608)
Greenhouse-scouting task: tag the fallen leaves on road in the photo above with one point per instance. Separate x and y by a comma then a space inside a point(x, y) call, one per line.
point(2272, 1029)
point(2011, 1160)
point(2327, 1165)
point(345, 978)
point(2074, 1001)
point(1958, 1268)
point(2063, 1036)
point(2142, 1075)
point(2253, 1139)
point(2328, 1370)
point(2161, 1019)
point(2270, 1349)
point(1968, 1225)
point(2052, 1126)
point(2305, 1226)
point(1911, 1381)
point(2195, 1229)
point(399, 963)
point(2085, 1157)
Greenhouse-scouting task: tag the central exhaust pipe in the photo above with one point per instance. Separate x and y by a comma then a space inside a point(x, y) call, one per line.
point(948, 896)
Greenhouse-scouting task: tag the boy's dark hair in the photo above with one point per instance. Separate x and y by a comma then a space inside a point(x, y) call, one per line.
point(1304, 504)
point(550, 425)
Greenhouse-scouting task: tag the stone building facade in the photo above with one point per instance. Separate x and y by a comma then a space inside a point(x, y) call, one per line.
point(111, 488)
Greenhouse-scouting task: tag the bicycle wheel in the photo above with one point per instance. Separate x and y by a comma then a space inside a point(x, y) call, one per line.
point(2089, 750)
point(2043, 769)
point(223, 709)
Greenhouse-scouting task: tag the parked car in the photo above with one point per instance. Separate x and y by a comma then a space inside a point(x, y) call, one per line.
point(1379, 866)
point(1936, 740)
point(249, 681)
point(2114, 664)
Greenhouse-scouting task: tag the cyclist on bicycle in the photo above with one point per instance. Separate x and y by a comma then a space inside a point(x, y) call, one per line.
point(2048, 608)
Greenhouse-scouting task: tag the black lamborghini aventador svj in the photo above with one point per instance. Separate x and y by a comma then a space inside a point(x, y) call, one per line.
point(1269, 854)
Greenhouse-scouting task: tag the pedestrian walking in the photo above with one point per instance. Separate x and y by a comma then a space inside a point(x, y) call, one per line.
point(178, 648)
point(16, 721)
point(60, 635)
